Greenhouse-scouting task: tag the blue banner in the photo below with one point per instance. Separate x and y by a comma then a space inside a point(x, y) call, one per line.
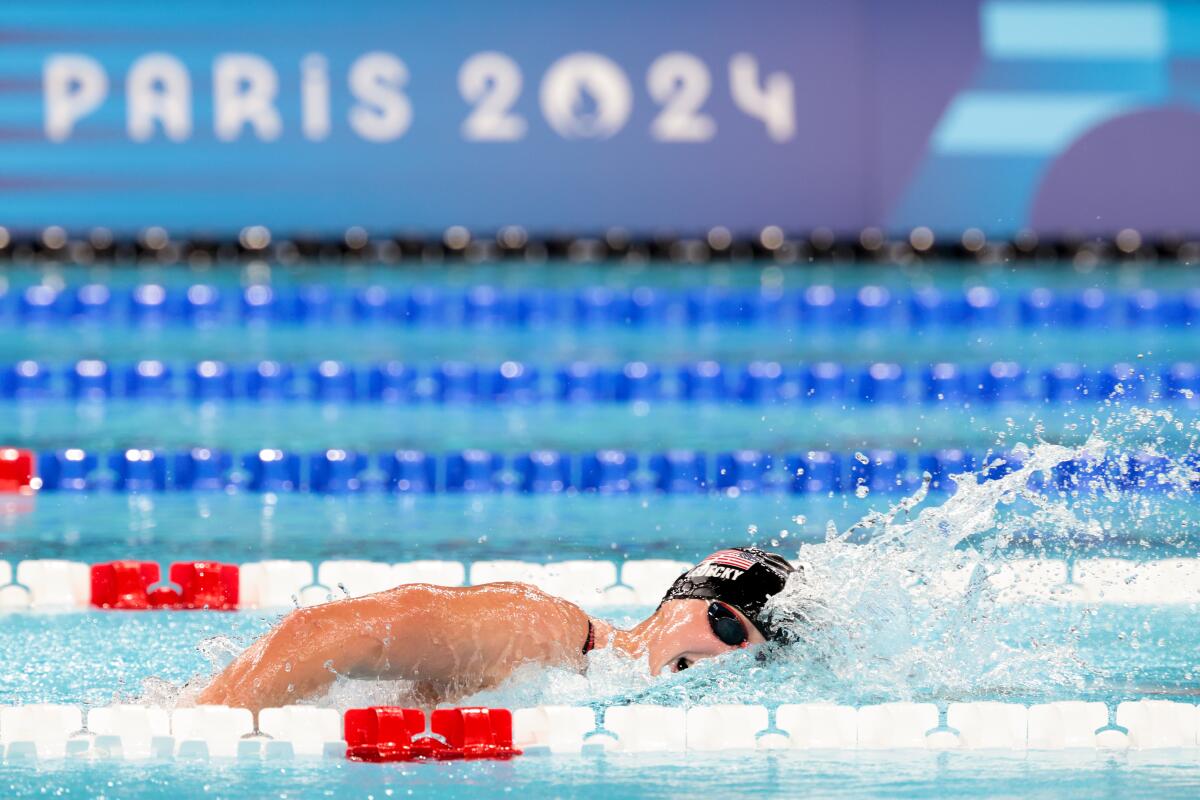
point(310, 116)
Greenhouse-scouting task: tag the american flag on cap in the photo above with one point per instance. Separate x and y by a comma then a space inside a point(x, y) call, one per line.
point(729, 558)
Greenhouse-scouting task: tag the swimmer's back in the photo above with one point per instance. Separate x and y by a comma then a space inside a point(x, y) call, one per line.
point(456, 640)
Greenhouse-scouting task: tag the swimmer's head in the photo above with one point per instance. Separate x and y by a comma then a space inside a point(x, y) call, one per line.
point(717, 606)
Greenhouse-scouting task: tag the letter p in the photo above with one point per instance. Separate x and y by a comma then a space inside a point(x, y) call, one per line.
point(73, 86)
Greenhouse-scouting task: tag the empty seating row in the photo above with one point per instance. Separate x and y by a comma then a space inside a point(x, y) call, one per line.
point(815, 306)
point(731, 473)
point(584, 382)
point(134, 732)
point(282, 584)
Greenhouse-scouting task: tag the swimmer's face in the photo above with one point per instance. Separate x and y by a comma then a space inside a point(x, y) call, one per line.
point(684, 636)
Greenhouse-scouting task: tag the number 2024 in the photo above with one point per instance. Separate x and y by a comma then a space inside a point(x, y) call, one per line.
point(588, 96)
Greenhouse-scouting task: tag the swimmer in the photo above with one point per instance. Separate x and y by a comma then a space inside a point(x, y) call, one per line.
point(453, 642)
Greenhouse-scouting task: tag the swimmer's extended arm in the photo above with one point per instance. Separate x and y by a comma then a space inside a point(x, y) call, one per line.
point(453, 639)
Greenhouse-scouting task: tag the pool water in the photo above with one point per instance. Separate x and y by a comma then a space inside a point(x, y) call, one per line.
point(910, 643)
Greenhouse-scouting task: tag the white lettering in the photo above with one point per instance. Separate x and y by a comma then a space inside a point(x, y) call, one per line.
point(73, 86)
point(585, 96)
point(314, 97)
point(383, 112)
point(492, 81)
point(680, 82)
point(715, 571)
point(244, 88)
point(158, 89)
point(772, 102)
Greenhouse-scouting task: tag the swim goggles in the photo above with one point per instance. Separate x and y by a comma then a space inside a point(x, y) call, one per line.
point(726, 625)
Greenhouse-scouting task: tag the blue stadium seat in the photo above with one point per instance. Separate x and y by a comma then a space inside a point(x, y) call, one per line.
point(944, 383)
point(210, 380)
point(1003, 381)
point(941, 464)
point(270, 380)
point(149, 379)
point(272, 470)
point(93, 303)
point(743, 471)
point(815, 472)
point(703, 381)
point(473, 471)
point(89, 379)
point(639, 381)
point(543, 472)
point(884, 471)
point(584, 382)
point(202, 304)
point(202, 469)
point(40, 304)
point(26, 380)
point(70, 470)
point(512, 382)
point(334, 382)
point(1063, 383)
point(410, 471)
point(609, 472)
point(148, 304)
point(456, 382)
point(883, 383)
point(391, 382)
point(337, 471)
point(679, 472)
point(824, 381)
point(138, 470)
point(1039, 308)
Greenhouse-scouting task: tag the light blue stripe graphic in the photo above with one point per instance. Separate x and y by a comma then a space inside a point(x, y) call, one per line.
point(1074, 30)
point(988, 123)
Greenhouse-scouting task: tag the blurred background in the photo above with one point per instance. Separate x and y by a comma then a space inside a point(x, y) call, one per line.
point(378, 267)
point(662, 118)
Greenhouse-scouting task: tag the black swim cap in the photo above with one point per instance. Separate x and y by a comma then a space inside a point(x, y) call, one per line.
point(744, 577)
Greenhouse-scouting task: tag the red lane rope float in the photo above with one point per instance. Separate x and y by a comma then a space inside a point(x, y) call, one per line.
point(130, 586)
point(17, 469)
point(389, 733)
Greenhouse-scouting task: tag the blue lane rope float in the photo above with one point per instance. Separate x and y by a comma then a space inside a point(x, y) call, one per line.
point(512, 382)
point(814, 307)
point(676, 472)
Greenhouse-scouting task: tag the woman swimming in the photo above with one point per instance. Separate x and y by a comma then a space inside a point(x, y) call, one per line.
point(452, 642)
